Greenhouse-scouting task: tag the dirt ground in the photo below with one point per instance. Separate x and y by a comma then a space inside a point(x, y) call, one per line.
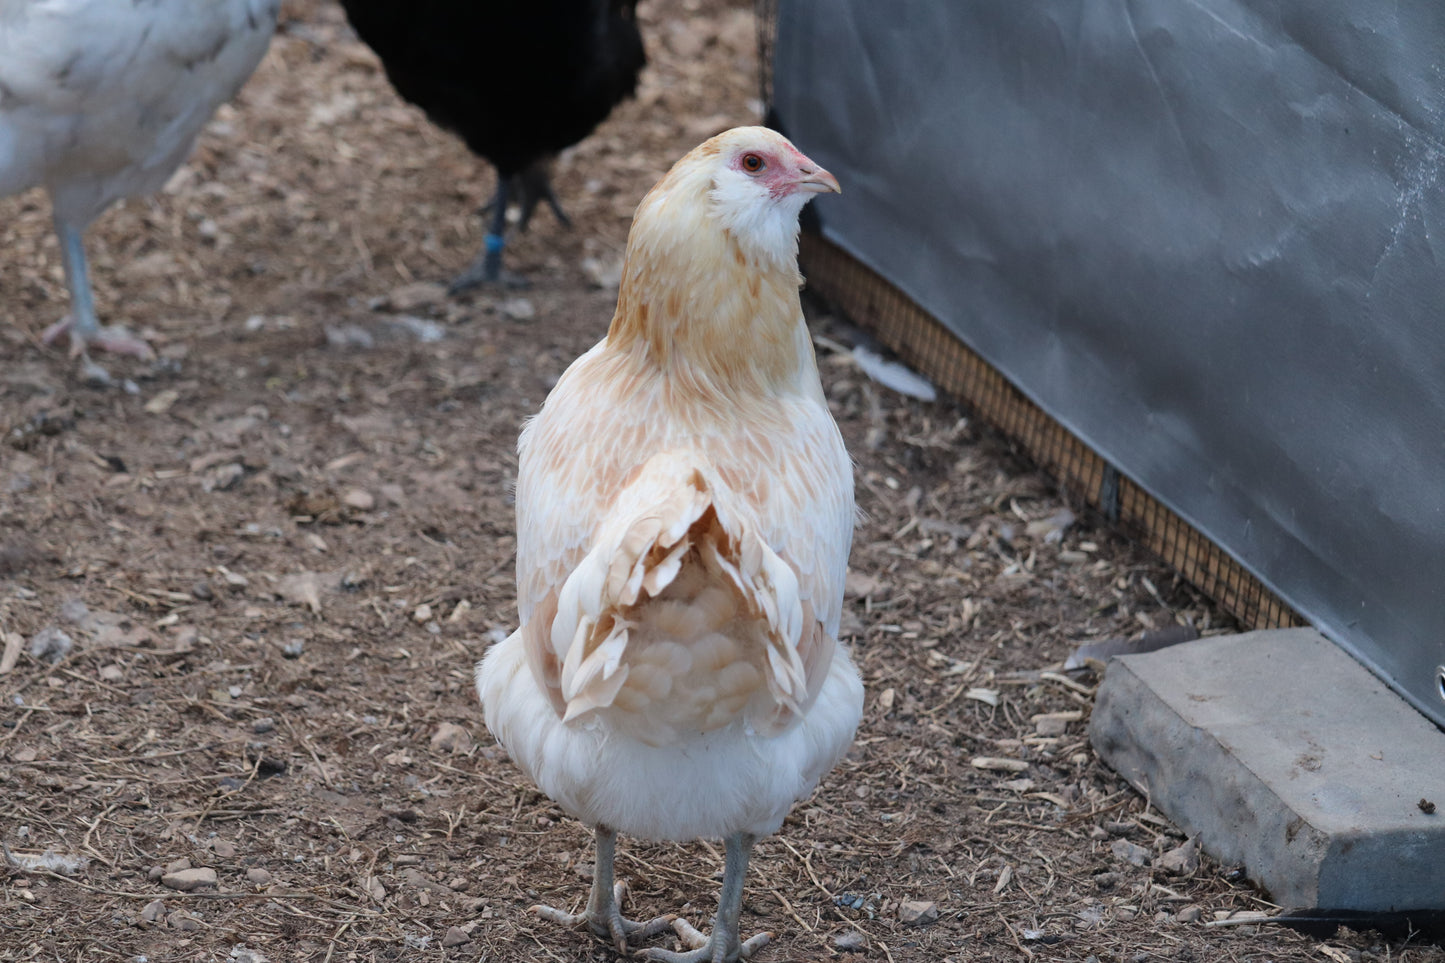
point(278, 551)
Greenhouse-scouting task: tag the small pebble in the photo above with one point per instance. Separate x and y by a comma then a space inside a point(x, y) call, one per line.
point(243, 954)
point(112, 673)
point(419, 294)
point(1129, 852)
point(918, 912)
point(456, 936)
point(223, 848)
point(518, 309)
point(1182, 860)
point(178, 866)
point(422, 615)
point(1190, 914)
point(183, 921)
point(451, 737)
point(360, 500)
point(203, 591)
point(234, 579)
point(261, 726)
point(1051, 726)
point(187, 880)
point(258, 876)
point(153, 911)
point(349, 336)
point(849, 942)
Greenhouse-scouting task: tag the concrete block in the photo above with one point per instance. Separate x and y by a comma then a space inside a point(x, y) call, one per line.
point(1285, 755)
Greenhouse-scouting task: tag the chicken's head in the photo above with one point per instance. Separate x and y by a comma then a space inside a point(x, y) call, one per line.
point(760, 182)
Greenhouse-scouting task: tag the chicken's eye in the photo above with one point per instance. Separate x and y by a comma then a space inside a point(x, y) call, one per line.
point(752, 163)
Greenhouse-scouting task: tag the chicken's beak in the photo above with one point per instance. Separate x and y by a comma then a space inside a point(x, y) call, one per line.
point(815, 180)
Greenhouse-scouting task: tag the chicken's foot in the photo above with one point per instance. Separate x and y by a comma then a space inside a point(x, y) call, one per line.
point(486, 268)
point(81, 325)
point(603, 915)
point(723, 945)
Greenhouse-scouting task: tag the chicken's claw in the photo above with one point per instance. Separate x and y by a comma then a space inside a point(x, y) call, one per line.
point(608, 923)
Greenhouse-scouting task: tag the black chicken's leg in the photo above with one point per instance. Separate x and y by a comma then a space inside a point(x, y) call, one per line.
point(534, 184)
point(486, 268)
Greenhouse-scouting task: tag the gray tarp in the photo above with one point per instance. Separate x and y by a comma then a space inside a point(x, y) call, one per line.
point(1207, 236)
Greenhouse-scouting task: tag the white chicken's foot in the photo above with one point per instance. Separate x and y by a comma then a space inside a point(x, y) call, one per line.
point(81, 325)
point(708, 949)
point(603, 915)
point(723, 945)
point(114, 339)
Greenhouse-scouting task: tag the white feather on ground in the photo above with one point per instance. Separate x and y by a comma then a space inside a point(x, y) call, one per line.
point(891, 374)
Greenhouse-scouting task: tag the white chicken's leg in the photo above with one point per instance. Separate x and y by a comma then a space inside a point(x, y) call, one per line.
point(81, 324)
point(723, 945)
point(603, 915)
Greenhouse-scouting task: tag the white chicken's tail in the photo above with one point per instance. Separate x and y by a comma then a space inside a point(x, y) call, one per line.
point(681, 619)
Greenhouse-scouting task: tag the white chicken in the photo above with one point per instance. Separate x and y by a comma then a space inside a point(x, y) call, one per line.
point(102, 99)
point(684, 515)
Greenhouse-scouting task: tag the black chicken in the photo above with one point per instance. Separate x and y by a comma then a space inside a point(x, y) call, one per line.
point(518, 81)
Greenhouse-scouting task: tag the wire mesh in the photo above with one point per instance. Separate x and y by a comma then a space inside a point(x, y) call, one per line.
point(924, 343)
point(765, 12)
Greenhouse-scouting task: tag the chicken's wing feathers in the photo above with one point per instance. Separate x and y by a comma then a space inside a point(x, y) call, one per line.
point(634, 593)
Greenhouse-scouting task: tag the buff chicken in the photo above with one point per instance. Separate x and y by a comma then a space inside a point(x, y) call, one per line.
point(684, 515)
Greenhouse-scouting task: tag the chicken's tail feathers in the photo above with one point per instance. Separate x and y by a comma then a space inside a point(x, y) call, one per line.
point(674, 533)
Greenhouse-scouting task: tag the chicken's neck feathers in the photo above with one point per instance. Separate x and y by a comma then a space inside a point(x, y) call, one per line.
point(717, 317)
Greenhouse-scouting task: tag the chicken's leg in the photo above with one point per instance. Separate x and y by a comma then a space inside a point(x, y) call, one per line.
point(603, 915)
point(487, 267)
point(81, 324)
point(534, 185)
point(723, 945)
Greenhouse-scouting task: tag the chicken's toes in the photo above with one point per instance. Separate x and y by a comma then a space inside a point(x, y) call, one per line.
point(57, 329)
point(116, 340)
point(478, 275)
point(613, 926)
point(624, 931)
point(121, 341)
point(707, 949)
